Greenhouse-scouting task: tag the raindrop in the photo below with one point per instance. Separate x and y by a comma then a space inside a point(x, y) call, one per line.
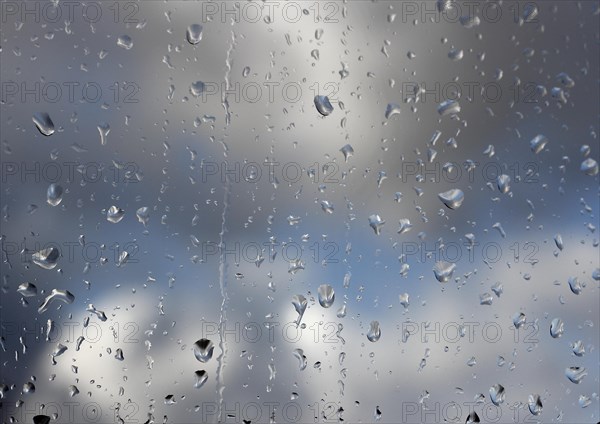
point(194, 33)
point(503, 182)
point(43, 123)
point(374, 332)
point(203, 350)
point(54, 194)
point(538, 143)
point(302, 362)
point(115, 214)
point(575, 374)
point(347, 151)
point(535, 404)
point(376, 223)
point(449, 107)
point(497, 394)
point(589, 167)
point(575, 285)
point(46, 258)
point(326, 295)
point(391, 110)
point(557, 328)
point(27, 290)
point(64, 296)
point(452, 198)
point(323, 105)
point(201, 377)
point(125, 41)
point(443, 271)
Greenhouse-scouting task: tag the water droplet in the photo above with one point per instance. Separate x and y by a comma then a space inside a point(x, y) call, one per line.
point(535, 404)
point(485, 299)
point(143, 215)
point(449, 107)
point(197, 88)
point(201, 377)
point(326, 295)
point(503, 182)
point(347, 151)
point(404, 299)
point(497, 394)
point(28, 388)
point(300, 304)
point(456, 54)
point(103, 129)
point(125, 41)
point(575, 285)
point(519, 319)
point(575, 374)
point(472, 418)
point(559, 241)
point(302, 361)
point(538, 143)
point(64, 296)
point(323, 105)
point(452, 198)
point(203, 350)
point(376, 223)
point(46, 258)
point(115, 214)
point(443, 271)
point(54, 194)
point(405, 226)
point(589, 167)
point(391, 110)
point(41, 419)
point(374, 332)
point(557, 328)
point(341, 313)
point(43, 123)
point(578, 348)
point(73, 390)
point(194, 33)
point(27, 290)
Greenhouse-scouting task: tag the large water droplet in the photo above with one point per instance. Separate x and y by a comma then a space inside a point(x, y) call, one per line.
point(201, 377)
point(391, 110)
point(27, 290)
point(449, 107)
point(64, 296)
point(443, 271)
point(538, 143)
point(575, 374)
point(125, 41)
point(535, 404)
point(347, 151)
point(115, 214)
point(503, 182)
point(326, 295)
point(302, 361)
point(376, 223)
point(589, 167)
point(54, 194)
point(497, 394)
point(452, 198)
point(46, 258)
point(300, 304)
point(194, 33)
point(374, 332)
point(203, 350)
point(575, 285)
point(143, 215)
point(43, 123)
point(323, 105)
point(557, 328)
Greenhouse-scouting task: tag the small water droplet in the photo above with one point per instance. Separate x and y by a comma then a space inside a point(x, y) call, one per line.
point(115, 214)
point(46, 258)
point(452, 198)
point(125, 41)
point(201, 377)
point(575, 374)
point(557, 328)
